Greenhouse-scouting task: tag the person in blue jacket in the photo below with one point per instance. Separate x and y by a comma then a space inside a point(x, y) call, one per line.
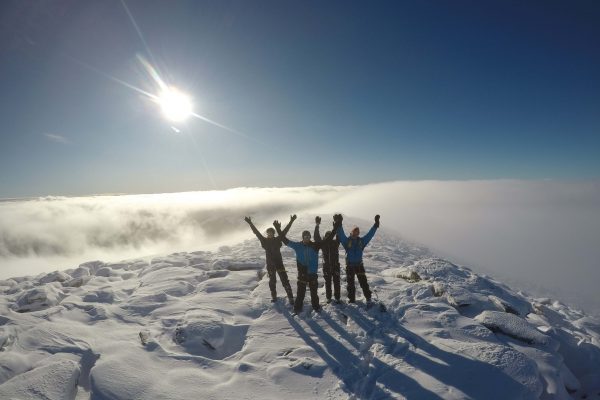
point(307, 259)
point(354, 246)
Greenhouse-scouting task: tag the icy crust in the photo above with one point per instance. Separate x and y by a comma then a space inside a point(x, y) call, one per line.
point(54, 381)
point(39, 298)
point(200, 325)
point(515, 327)
point(477, 348)
point(461, 288)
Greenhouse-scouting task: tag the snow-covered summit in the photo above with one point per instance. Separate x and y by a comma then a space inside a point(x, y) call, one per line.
point(201, 325)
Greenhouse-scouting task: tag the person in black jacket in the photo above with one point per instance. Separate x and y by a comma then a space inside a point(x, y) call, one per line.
point(331, 261)
point(272, 246)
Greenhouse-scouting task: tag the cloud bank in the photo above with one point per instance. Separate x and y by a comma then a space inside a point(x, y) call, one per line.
point(59, 232)
point(537, 235)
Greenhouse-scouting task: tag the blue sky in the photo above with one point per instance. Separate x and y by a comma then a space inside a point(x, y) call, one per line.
point(322, 92)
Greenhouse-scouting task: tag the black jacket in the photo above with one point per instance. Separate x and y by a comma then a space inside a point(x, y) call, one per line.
point(330, 247)
point(272, 246)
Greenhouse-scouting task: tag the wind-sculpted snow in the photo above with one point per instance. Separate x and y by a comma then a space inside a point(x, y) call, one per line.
point(515, 327)
point(200, 325)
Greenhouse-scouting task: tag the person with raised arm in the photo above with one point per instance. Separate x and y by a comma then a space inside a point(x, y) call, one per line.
point(307, 260)
point(272, 246)
point(331, 261)
point(354, 246)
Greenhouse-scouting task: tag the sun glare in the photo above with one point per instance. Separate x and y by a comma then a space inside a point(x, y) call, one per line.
point(175, 105)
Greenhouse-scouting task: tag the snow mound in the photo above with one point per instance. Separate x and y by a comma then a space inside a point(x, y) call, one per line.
point(57, 380)
point(515, 327)
point(461, 288)
point(207, 335)
point(201, 325)
point(39, 298)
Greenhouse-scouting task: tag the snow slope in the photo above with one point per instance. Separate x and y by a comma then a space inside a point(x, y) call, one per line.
point(200, 325)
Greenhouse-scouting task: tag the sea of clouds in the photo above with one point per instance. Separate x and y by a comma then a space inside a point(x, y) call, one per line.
point(541, 236)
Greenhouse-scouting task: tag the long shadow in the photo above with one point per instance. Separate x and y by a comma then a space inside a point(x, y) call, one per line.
point(346, 366)
point(336, 367)
point(476, 379)
point(341, 331)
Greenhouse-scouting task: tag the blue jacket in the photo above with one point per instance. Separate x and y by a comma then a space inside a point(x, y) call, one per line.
point(354, 247)
point(306, 254)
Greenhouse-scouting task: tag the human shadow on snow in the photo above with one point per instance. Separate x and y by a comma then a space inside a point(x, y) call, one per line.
point(476, 379)
point(355, 372)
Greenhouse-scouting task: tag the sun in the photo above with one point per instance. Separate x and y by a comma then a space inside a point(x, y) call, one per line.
point(175, 105)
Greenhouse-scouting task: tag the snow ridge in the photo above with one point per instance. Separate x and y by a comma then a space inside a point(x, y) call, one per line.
point(200, 325)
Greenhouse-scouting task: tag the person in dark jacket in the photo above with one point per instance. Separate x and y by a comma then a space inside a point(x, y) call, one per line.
point(307, 259)
point(354, 246)
point(272, 246)
point(331, 261)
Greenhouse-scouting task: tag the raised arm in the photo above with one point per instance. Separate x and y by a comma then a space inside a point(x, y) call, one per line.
point(317, 235)
point(339, 229)
point(256, 232)
point(289, 225)
point(280, 234)
point(341, 235)
point(331, 237)
point(367, 238)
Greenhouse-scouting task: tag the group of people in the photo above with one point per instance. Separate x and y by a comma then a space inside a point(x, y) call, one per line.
point(307, 260)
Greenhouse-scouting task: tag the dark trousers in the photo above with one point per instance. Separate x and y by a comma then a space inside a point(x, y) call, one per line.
point(331, 272)
point(272, 272)
point(304, 278)
point(359, 271)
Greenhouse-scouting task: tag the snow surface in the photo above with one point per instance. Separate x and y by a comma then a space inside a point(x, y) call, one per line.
point(201, 325)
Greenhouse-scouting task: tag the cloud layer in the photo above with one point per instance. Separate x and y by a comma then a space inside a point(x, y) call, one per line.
point(539, 235)
point(46, 233)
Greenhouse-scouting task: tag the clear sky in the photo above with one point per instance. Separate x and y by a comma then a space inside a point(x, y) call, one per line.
point(336, 92)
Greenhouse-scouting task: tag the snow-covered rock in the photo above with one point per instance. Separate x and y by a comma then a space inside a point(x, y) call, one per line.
point(39, 298)
point(515, 327)
point(56, 381)
point(56, 276)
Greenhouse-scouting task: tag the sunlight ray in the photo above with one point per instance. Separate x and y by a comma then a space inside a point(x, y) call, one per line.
point(138, 30)
point(114, 79)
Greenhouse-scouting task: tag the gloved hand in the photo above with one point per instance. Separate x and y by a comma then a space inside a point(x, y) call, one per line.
point(337, 221)
point(317, 220)
point(377, 220)
point(277, 224)
point(248, 220)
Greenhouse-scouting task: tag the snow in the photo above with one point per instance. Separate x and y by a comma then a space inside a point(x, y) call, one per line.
point(515, 327)
point(57, 380)
point(200, 325)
